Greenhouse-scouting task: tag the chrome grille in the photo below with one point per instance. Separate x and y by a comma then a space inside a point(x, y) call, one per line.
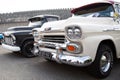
point(8, 40)
point(54, 38)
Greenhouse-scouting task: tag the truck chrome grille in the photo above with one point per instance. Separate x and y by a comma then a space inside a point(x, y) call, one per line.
point(54, 38)
point(8, 40)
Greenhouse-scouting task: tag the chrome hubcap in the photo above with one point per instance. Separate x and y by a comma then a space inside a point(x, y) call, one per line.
point(105, 62)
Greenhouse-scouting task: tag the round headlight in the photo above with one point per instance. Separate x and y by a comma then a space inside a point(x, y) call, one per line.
point(73, 32)
point(70, 32)
point(77, 33)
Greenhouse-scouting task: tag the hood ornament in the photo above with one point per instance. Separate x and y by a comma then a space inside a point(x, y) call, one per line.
point(47, 29)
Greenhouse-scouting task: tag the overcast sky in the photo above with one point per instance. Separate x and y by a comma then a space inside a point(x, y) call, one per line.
point(7, 6)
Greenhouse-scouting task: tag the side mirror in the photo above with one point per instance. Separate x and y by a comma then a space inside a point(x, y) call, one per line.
point(115, 16)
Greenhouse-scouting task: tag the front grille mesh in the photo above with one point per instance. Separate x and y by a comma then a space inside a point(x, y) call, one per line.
point(54, 38)
point(8, 40)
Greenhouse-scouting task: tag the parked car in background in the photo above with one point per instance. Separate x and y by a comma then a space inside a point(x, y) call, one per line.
point(20, 39)
point(1, 37)
point(91, 37)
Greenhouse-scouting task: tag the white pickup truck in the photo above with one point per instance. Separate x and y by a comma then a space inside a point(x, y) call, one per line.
point(91, 37)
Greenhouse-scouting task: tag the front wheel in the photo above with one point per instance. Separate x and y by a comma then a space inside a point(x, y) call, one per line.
point(103, 62)
point(28, 49)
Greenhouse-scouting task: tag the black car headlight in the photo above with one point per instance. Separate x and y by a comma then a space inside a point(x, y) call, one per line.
point(73, 32)
point(13, 37)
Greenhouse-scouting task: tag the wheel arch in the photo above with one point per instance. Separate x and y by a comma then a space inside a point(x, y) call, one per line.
point(110, 43)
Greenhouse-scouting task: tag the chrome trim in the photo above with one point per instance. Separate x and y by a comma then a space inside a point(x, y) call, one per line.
point(77, 61)
point(12, 48)
point(13, 37)
point(41, 43)
point(54, 38)
point(8, 40)
point(53, 31)
point(78, 48)
point(73, 28)
point(59, 55)
point(36, 49)
point(106, 61)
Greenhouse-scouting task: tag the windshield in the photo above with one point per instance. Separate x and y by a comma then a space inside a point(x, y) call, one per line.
point(35, 19)
point(95, 10)
point(36, 22)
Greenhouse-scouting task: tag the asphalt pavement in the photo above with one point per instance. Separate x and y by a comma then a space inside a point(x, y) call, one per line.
point(13, 66)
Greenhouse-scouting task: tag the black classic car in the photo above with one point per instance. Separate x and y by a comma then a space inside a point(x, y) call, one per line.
point(20, 38)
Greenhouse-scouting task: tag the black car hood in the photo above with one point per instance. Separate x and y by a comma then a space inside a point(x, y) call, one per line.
point(20, 28)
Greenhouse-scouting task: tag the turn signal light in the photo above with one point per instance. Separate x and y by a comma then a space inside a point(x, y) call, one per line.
point(71, 48)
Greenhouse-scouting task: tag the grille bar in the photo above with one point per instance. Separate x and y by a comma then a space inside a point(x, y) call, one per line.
point(54, 38)
point(8, 40)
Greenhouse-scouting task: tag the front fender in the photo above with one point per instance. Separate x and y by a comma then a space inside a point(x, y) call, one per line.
point(91, 44)
point(26, 39)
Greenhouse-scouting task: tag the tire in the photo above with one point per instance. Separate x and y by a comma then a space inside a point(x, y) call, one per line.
point(16, 51)
point(27, 49)
point(103, 63)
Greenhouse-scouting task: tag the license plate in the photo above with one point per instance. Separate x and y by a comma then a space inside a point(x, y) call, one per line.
point(47, 55)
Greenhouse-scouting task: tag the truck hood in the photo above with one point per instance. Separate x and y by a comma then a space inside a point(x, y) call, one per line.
point(55, 25)
point(83, 22)
point(19, 28)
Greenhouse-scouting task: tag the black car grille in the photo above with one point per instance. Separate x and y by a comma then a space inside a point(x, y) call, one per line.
point(54, 38)
point(8, 40)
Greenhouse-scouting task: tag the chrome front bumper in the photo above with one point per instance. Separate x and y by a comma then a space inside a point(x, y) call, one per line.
point(72, 60)
point(9, 47)
point(60, 57)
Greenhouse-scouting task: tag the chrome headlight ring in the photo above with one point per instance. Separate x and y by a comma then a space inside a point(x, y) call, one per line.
point(75, 48)
point(73, 32)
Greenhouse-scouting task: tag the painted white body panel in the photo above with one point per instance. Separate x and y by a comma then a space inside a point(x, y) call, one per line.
point(94, 30)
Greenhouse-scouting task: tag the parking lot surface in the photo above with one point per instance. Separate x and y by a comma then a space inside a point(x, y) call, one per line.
point(14, 66)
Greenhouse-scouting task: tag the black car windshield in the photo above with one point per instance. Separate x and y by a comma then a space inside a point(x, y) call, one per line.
point(35, 19)
point(94, 10)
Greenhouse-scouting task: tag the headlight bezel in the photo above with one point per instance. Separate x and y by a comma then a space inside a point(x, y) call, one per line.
point(78, 48)
point(73, 32)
